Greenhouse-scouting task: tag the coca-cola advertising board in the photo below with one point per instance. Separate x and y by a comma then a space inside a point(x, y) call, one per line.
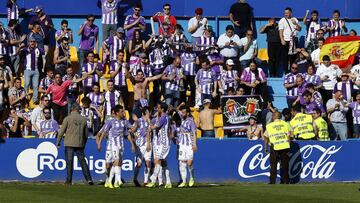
point(215, 161)
point(238, 109)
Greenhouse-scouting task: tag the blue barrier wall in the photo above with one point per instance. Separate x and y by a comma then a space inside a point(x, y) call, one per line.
point(215, 161)
point(348, 8)
point(218, 24)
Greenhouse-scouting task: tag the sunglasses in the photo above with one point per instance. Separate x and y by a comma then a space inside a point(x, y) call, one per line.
point(91, 20)
point(46, 100)
point(295, 68)
point(46, 112)
point(137, 9)
point(249, 34)
point(167, 9)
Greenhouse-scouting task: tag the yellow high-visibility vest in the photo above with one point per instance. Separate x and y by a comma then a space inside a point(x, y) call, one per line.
point(322, 127)
point(302, 125)
point(278, 134)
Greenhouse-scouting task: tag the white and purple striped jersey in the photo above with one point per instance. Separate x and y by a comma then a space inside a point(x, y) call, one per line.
point(109, 12)
point(355, 106)
point(179, 39)
point(312, 28)
point(4, 36)
point(88, 113)
point(313, 79)
point(146, 69)
point(13, 11)
point(114, 44)
point(89, 67)
point(187, 133)
point(156, 58)
point(116, 129)
point(32, 57)
point(188, 60)
point(130, 19)
point(120, 78)
point(96, 100)
point(206, 80)
point(338, 28)
point(290, 78)
point(49, 128)
point(228, 79)
point(111, 99)
point(140, 134)
point(205, 42)
point(13, 36)
point(347, 88)
point(162, 132)
point(46, 82)
point(177, 73)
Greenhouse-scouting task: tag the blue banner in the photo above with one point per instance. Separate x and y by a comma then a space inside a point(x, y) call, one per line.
point(215, 161)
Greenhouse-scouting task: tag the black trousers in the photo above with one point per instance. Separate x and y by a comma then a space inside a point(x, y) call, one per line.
point(60, 112)
point(189, 84)
point(69, 156)
point(260, 89)
point(284, 57)
point(274, 53)
point(275, 155)
point(326, 95)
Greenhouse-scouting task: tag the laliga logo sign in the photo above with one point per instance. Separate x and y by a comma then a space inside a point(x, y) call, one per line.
point(32, 162)
point(322, 168)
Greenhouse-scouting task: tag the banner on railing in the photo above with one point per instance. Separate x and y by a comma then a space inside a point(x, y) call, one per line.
point(215, 161)
point(238, 109)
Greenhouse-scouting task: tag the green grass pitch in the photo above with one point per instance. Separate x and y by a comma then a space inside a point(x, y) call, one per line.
point(208, 193)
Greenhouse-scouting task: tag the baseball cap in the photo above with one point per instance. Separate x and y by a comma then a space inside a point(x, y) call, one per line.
point(209, 28)
point(199, 11)
point(206, 101)
point(253, 117)
point(31, 39)
point(120, 29)
point(38, 8)
point(230, 62)
point(2, 56)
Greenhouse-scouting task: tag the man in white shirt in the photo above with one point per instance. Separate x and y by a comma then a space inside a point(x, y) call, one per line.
point(229, 43)
point(37, 115)
point(288, 27)
point(355, 75)
point(315, 55)
point(250, 49)
point(196, 25)
point(328, 74)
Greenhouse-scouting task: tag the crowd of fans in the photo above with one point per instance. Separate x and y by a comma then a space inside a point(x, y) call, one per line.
point(196, 71)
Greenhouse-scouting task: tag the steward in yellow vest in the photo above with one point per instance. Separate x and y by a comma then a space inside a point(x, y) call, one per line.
point(302, 124)
point(278, 135)
point(320, 126)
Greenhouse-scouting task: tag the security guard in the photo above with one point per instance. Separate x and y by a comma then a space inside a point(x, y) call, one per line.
point(320, 126)
point(278, 134)
point(302, 124)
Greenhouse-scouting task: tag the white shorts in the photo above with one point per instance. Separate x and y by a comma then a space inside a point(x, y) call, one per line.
point(113, 152)
point(161, 151)
point(185, 153)
point(141, 153)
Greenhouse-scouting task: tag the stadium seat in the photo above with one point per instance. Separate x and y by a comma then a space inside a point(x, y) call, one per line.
point(218, 121)
point(129, 85)
point(263, 54)
point(198, 133)
point(127, 115)
point(73, 54)
point(219, 133)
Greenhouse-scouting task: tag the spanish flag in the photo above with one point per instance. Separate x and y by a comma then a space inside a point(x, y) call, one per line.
point(341, 50)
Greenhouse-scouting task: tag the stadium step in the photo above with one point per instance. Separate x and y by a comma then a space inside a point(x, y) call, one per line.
point(278, 92)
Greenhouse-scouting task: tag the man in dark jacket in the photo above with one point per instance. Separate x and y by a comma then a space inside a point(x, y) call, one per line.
point(75, 128)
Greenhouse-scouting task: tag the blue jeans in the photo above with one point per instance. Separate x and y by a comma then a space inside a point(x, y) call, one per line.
point(81, 55)
point(172, 97)
point(32, 76)
point(356, 130)
point(340, 130)
point(207, 133)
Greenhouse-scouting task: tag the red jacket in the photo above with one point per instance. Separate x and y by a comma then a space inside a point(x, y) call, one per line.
point(168, 27)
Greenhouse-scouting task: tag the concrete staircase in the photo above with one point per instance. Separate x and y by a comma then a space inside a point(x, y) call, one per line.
point(277, 92)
